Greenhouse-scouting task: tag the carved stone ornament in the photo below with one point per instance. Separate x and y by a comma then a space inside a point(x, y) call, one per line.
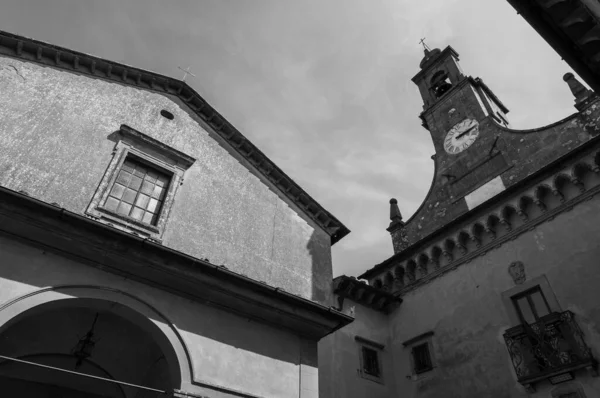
point(517, 272)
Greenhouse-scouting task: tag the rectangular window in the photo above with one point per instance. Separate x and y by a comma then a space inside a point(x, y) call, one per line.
point(421, 357)
point(138, 192)
point(531, 305)
point(370, 362)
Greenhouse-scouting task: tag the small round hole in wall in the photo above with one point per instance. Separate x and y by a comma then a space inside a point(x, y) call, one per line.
point(167, 114)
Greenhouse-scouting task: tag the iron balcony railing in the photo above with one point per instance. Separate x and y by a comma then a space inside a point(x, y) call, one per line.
point(549, 347)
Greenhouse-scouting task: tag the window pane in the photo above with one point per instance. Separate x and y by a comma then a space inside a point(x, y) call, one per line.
point(117, 191)
point(128, 165)
point(111, 204)
point(135, 183)
point(540, 305)
point(135, 194)
point(162, 180)
point(137, 213)
point(147, 187)
point(140, 170)
point(124, 178)
point(421, 358)
point(525, 308)
point(370, 361)
point(157, 193)
point(148, 217)
point(152, 205)
point(151, 176)
point(124, 209)
point(129, 195)
point(142, 200)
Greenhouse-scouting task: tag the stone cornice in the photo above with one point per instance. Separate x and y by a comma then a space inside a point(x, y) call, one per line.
point(30, 50)
point(95, 244)
point(500, 241)
point(361, 293)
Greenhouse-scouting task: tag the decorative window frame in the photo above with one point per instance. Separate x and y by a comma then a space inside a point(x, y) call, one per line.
point(378, 348)
point(425, 338)
point(544, 285)
point(132, 143)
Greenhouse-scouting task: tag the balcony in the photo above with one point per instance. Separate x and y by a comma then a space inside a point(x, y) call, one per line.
point(551, 347)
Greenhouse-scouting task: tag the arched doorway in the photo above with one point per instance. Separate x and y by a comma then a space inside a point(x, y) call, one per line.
point(85, 347)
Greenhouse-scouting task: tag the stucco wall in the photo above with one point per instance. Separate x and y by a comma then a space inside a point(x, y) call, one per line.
point(226, 350)
point(54, 129)
point(339, 361)
point(465, 311)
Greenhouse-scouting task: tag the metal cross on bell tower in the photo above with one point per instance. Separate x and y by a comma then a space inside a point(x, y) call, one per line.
point(425, 46)
point(186, 72)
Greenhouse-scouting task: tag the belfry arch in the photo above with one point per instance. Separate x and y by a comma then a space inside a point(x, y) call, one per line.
point(135, 352)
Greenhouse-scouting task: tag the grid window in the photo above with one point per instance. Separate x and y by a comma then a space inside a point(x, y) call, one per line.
point(138, 192)
point(370, 362)
point(531, 305)
point(421, 357)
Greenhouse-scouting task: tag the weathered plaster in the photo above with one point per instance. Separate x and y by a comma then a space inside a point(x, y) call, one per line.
point(55, 145)
point(339, 361)
point(466, 312)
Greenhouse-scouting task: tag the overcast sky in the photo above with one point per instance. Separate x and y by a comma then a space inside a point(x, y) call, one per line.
point(322, 87)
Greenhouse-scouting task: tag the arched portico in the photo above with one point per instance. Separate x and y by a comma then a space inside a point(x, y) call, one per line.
point(134, 343)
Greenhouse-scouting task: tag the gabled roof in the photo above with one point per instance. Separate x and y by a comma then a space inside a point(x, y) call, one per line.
point(35, 51)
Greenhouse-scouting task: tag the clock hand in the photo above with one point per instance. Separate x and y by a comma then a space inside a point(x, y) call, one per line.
point(466, 132)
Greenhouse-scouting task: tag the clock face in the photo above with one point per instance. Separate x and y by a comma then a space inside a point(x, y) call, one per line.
point(461, 136)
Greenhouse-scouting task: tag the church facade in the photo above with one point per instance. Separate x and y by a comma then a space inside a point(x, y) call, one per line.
point(147, 248)
point(492, 290)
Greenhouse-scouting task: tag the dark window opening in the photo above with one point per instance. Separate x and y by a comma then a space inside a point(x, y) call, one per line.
point(531, 305)
point(422, 359)
point(138, 192)
point(440, 83)
point(167, 114)
point(370, 363)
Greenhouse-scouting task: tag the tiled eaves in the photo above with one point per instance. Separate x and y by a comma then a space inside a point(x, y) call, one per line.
point(31, 50)
point(531, 180)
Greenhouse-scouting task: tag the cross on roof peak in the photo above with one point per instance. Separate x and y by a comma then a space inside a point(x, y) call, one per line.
point(186, 72)
point(425, 46)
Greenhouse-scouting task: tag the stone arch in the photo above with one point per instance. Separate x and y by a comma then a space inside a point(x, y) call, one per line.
point(543, 197)
point(388, 281)
point(563, 188)
point(377, 283)
point(462, 242)
point(123, 304)
point(491, 225)
point(596, 163)
point(582, 175)
point(508, 217)
point(435, 256)
point(411, 267)
point(422, 262)
point(525, 207)
point(448, 248)
point(440, 83)
point(399, 276)
point(477, 233)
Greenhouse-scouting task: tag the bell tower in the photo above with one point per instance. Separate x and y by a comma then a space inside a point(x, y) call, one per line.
point(451, 97)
